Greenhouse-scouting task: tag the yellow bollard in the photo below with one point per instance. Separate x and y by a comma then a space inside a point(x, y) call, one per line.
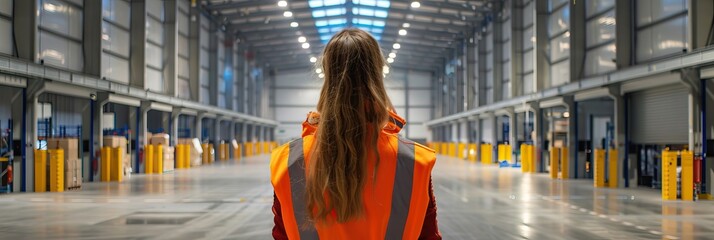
point(452, 149)
point(187, 156)
point(178, 156)
point(486, 154)
point(222, 152)
point(159, 159)
point(554, 162)
point(40, 170)
point(206, 154)
point(499, 153)
point(472, 152)
point(599, 168)
point(687, 176)
point(669, 175)
point(105, 165)
point(436, 146)
point(612, 169)
point(248, 149)
point(564, 163)
point(238, 152)
point(149, 156)
point(524, 158)
point(462, 151)
point(211, 153)
point(116, 165)
point(56, 170)
point(509, 153)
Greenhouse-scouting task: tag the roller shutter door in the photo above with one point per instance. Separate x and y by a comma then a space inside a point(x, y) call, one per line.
point(659, 115)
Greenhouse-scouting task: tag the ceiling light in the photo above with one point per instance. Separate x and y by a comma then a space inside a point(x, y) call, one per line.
point(302, 39)
point(287, 14)
point(313, 59)
point(322, 75)
point(294, 24)
point(390, 60)
point(318, 70)
point(566, 114)
point(392, 55)
point(406, 25)
point(416, 4)
point(305, 45)
point(397, 46)
point(402, 32)
point(282, 3)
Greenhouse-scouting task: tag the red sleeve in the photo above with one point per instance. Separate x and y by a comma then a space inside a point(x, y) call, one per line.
point(279, 229)
point(430, 229)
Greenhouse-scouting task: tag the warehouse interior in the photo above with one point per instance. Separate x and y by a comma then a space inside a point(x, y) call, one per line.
point(551, 119)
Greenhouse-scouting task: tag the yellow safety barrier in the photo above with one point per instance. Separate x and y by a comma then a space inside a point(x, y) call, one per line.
point(238, 152)
point(525, 163)
point(40, 170)
point(149, 156)
point(504, 152)
point(105, 165)
point(116, 165)
point(461, 151)
point(452, 150)
point(612, 168)
point(564, 163)
point(266, 147)
point(56, 170)
point(159, 159)
point(473, 152)
point(532, 158)
point(687, 190)
point(669, 175)
point(223, 151)
point(554, 162)
point(187, 156)
point(486, 154)
point(205, 156)
point(599, 168)
point(178, 153)
point(248, 149)
point(211, 153)
point(437, 147)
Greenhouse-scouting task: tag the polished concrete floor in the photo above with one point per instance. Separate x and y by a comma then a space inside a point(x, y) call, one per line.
point(232, 201)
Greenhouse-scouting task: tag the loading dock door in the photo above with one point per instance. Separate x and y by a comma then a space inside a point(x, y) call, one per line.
point(659, 115)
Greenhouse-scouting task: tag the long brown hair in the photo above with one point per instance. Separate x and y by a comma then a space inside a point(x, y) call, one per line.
point(353, 107)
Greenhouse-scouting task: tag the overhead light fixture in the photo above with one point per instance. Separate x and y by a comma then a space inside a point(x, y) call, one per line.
point(397, 46)
point(402, 32)
point(318, 70)
point(406, 25)
point(294, 24)
point(302, 39)
point(282, 3)
point(287, 14)
point(322, 75)
point(305, 45)
point(392, 55)
point(566, 114)
point(416, 4)
point(313, 59)
point(390, 60)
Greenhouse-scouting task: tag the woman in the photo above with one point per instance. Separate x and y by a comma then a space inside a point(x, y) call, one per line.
point(350, 176)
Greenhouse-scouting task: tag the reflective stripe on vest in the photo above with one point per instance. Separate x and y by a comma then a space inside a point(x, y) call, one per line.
point(401, 191)
point(296, 169)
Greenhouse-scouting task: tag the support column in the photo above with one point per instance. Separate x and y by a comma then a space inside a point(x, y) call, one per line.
point(170, 51)
point(624, 31)
point(213, 64)
point(572, 143)
point(626, 166)
point(512, 133)
point(577, 42)
point(194, 49)
point(538, 132)
point(542, 67)
point(471, 70)
point(199, 126)
point(173, 132)
point(137, 58)
point(92, 44)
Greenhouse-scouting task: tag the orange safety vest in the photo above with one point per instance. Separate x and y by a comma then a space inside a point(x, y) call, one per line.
point(395, 206)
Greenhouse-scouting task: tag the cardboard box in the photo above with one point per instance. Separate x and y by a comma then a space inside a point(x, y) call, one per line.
point(159, 139)
point(73, 174)
point(168, 158)
point(115, 141)
point(69, 145)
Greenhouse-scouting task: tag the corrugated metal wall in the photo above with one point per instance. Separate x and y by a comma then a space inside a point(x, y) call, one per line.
point(659, 115)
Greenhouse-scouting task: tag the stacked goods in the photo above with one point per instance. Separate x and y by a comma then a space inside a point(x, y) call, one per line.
point(159, 139)
point(195, 150)
point(72, 162)
point(116, 142)
point(168, 158)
